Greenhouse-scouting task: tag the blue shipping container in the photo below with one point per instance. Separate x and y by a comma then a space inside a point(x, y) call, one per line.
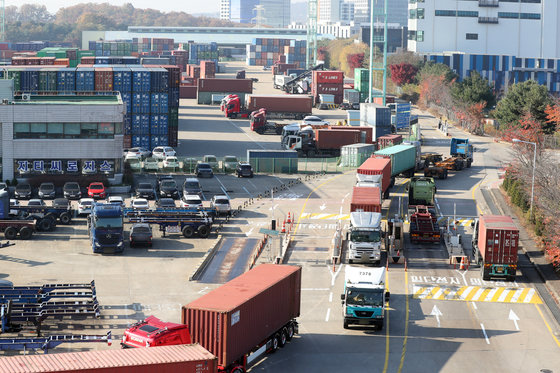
point(141, 80)
point(122, 79)
point(66, 79)
point(159, 80)
point(30, 80)
point(127, 101)
point(85, 79)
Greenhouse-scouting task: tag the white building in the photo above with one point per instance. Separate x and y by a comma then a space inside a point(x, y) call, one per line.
point(331, 30)
point(525, 29)
point(276, 12)
point(225, 10)
point(328, 11)
point(397, 11)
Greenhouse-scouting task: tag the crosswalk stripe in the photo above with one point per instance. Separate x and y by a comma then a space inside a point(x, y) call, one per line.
point(482, 296)
point(497, 294)
point(509, 297)
point(529, 296)
point(432, 292)
point(476, 294)
point(490, 295)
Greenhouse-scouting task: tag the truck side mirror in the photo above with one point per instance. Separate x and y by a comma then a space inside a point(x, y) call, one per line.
point(341, 296)
point(472, 223)
point(387, 296)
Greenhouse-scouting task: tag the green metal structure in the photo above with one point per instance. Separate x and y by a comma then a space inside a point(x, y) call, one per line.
point(374, 15)
point(311, 51)
point(3, 29)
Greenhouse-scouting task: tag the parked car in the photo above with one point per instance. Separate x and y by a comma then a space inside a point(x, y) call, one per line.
point(211, 160)
point(145, 190)
point(135, 164)
point(116, 199)
point(151, 164)
point(229, 163)
point(140, 234)
point(138, 153)
point(36, 202)
point(221, 205)
point(171, 162)
point(23, 191)
point(140, 204)
point(314, 120)
point(72, 190)
point(168, 188)
point(191, 201)
point(162, 152)
point(85, 205)
point(166, 203)
point(3, 187)
point(97, 191)
point(61, 203)
point(244, 169)
point(14, 202)
point(47, 191)
point(192, 186)
point(203, 170)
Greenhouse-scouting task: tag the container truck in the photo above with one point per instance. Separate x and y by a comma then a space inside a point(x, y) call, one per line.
point(281, 80)
point(351, 100)
point(403, 159)
point(424, 227)
point(364, 237)
point(260, 124)
point(277, 106)
point(321, 142)
point(364, 297)
point(421, 192)
point(462, 149)
point(14, 226)
point(366, 199)
point(495, 243)
point(378, 166)
point(105, 228)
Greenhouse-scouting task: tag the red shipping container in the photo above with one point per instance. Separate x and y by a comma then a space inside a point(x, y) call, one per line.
point(103, 79)
point(388, 100)
point(236, 317)
point(377, 166)
point(335, 139)
point(366, 199)
point(330, 89)
point(328, 77)
point(186, 91)
point(366, 133)
point(282, 58)
point(498, 239)
point(47, 60)
point(162, 359)
point(62, 62)
point(127, 141)
point(225, 85)
point(388, 140)
point(88, 60)
point(281, 103)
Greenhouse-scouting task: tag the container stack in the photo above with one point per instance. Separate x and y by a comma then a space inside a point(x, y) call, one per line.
point(328, 82)
point(203, 52)
point(112, 48)
point(361, 83)
point(264, 52)
point(161, 44)
point(282, 68)
point(295, 53)
point(207, 69)
point(376, 116)
point(181, 58)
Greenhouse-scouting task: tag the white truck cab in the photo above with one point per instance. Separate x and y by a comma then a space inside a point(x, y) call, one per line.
point(364, 237)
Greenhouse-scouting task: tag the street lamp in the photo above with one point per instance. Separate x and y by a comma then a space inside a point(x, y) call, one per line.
point(534, 165)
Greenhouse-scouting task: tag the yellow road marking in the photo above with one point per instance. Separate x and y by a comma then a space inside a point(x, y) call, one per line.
point(497, 295)
point(548, 326)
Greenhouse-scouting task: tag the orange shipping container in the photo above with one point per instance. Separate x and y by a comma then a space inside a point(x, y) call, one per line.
point(366, 199)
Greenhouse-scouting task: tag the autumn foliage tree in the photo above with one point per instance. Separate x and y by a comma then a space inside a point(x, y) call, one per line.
point(553, 114)
point(403, 73)
point(471, 117)
point(527, 129)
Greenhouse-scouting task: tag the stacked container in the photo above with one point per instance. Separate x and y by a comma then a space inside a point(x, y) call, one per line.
point(328, 82)
point(161, 44)
point(207, 69)
point(295, 53)
point(361, 83)
point(201, 52)
point(264, 52)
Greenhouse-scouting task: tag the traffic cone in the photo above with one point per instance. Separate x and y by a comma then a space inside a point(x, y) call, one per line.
point(283, 227)
point(289, 218)
point(462, 265)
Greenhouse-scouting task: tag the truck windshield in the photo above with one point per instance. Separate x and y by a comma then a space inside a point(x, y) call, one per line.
point(108, 223)
point(365, 236)
point(365, 297)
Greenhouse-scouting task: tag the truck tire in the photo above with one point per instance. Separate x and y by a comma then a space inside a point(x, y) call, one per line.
point(25, 233)
point(290, 331)
point(233, 115)
point(65, 218)
point(275, 343)
point(283, 337)
point(345, 324)
point(188, 231)
point(469, 164)
point(237, 370)
point(311, 154)
point(10, 233)
point(203, 231)
point(45, 225)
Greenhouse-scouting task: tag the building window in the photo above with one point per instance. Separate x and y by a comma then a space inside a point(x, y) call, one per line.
point(531, 1)
point(530, 16)
point(508, 15)
point(67, 130)
point(472, 36)
point(466, 13)
point(38, 130)
point(446, 13)
point(55, 130)
point(21, 131)
point(71, 130)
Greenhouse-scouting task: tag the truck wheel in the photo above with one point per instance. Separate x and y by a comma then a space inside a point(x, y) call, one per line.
point(275, 343)
point(10, 233)
point(65, 218)
point(283, 337)
point(188, 231)
point(469, 164)
point(237, 370)
point(233, 115)
point(51, 216)
point(203, 231)
point(45, 224)
point(311, 154)
point(345, 324)
point(350, 261)
point(25, 233)
point(290, 331)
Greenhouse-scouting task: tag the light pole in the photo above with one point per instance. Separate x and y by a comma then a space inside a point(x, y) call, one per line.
point(534, 166)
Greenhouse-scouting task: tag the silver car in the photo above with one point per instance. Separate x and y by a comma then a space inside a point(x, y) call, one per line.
point(221, 205)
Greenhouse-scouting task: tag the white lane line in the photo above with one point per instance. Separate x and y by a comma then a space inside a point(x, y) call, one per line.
point(223, 187)
point(250, 195)
point(330, 297)
point(334, 275)
point(474, 305)
point(203, 290)
point(328, 314)
point(249, 232)
point(484, 332)
point(250, 182)
point(246, 134)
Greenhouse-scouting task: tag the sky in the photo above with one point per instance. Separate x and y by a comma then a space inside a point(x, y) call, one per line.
point(188, 6)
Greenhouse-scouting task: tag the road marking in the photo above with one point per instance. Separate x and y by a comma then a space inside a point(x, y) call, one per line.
point(335, 274)
point(437, 313)
point(222, 187)
point(250, 182)
point(547, 326)
point(387, 335)
point(315, 289)
point(323, 206)
point(250, 195)
point(513, 317)
point(203, 290)
point(318, 216)
point(246, 134)
point(484, 332)
point(474, 305)
point(330, 297)
point(328, 314)
point(462, 222)
point(406, 318)
point(249, 232)
point(477, 294)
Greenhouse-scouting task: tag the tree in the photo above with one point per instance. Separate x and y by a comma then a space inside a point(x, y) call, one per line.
point(436, 69)
point(526, 97)
point(473, 90)
point(526, 129)
point(406, 57)
point(471, 117)
point(553, 114)
point(403, 73)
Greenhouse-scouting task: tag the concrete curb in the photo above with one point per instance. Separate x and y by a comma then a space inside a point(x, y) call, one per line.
point(206, 259)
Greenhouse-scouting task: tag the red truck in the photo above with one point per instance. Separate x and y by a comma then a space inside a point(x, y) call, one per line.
point(311, 142)
point(366, 199)
point(277, 106)
point(424, 227)
point(237, 322)
point(495, 243)
point(378, 166)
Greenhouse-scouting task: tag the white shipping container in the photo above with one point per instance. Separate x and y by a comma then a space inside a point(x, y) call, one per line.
point(259, 48)
point(326, 99)
point(353, 117)
point(354, 155)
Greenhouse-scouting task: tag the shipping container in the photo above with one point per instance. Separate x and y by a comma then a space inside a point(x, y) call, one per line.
point(378, 166)
point(225, 85)
point(366, 133)
point(329, 77)
point(104, 79)
point(85, 79)
point(498, 239)
point(122, 79)
point(366, 199)
point(186, 91)
point(335, 138)
point(235, 318)
point(164, 359)
point(403, 159)
point(355, 154)
point(375, 115)
point(281, 103)
point(353, 117)
point(388, 140)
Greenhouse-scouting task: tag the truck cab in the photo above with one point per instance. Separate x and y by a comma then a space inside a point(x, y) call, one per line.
point(105, 227)
point(152, 332)
point(364, 237)
point(364, 297)
point(302, 141)
point(463, 149)
point(421, 192)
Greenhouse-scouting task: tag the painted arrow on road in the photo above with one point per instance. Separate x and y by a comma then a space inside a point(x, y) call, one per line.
point(323, 206)
point(437, 313)
point(513, 317)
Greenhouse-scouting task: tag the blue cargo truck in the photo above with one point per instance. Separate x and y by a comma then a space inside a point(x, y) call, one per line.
point(105, 228)
point(462, 149)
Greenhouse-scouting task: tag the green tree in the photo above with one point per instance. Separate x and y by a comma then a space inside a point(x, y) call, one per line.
point(526, 97)
point(431, 69)
point(472, 90)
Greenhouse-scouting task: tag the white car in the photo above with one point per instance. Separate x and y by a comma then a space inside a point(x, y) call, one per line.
point(116, 199)
point(162, 152)
point(171, 162)
point(137, 153)
point(85, 205)
point(140, 204)
point(211, 160)
point(312, 120)
point(191, 201)
point(221, 205)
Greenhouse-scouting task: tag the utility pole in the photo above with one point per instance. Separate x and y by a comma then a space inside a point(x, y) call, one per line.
point(311, 49)
point(259, 16)
point(381, 39)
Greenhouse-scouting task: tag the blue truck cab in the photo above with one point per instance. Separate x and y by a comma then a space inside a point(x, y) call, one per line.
point(105, 227)
point(463, 149)
point(364, 297)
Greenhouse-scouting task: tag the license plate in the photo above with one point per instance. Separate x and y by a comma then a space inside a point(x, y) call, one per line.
point(363, 322)
point(173, 229)
point(499, 270)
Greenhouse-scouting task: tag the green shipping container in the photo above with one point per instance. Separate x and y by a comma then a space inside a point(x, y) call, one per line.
point(47, 80)
point(15, 75)
point(275, 165)
point(403, 159)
